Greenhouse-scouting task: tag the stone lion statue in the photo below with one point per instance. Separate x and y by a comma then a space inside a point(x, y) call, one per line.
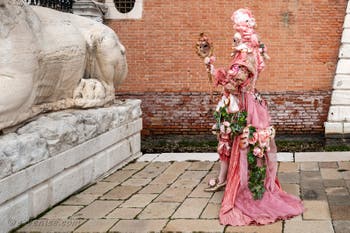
point(51, 61)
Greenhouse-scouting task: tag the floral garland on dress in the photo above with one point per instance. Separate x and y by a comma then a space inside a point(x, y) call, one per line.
point(257, 141)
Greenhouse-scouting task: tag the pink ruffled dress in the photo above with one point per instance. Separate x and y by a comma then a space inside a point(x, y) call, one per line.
point(238, 205)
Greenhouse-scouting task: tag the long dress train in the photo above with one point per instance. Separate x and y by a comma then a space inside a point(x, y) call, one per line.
point(238, 206)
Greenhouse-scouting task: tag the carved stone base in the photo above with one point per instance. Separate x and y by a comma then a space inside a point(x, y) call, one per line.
point(48, 159)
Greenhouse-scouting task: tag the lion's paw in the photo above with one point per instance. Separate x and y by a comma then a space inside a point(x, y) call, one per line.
point(90, 93)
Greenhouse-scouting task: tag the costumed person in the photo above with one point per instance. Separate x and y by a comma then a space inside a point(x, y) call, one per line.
point(246, 146)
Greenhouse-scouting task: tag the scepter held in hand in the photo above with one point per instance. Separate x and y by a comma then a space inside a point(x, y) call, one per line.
point(204, 49)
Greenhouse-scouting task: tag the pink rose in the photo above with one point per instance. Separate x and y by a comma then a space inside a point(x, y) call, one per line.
point(212, 59)
point(258, 152)
point(252, 140)
point(226, 123)
point(264, 135)
point(263, 144)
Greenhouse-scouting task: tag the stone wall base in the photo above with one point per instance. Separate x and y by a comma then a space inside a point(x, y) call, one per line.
point(32, 190)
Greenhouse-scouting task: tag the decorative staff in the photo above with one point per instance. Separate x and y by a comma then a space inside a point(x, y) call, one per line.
point(204, 49)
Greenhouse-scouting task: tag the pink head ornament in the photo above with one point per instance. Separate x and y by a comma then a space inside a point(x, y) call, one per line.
point(243, 19)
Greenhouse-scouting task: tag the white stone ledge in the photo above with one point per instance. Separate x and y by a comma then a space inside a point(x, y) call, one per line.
point(340, 97)
point(341, 82)
point(17, 183)
point(322, 156)
point(167, 157)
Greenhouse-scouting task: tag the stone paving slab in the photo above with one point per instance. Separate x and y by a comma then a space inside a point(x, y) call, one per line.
point(139, 226)
point(168, 196)
point(211, 211)
point(190, 208)
point(96, 225)
point(291, 188)
point(124, 213)
point(193, 225)
point(100, 188)
point(316, 210)
point(62, 212)
point(340, 212)
point(139, 200)
point(51, 225)
point(97, 209)
point(271, 228)
point(309, 166)
point(308, 226)
point(80, 199)
point(174, 194)
point(121, 192)
point(159, 210)
point(341, 226)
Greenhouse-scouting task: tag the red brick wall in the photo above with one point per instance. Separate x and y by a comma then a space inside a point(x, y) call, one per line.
point(292, 112)
point(302, 36)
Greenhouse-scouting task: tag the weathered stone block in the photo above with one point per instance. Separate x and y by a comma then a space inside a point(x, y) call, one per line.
point(13, 185)
point(333, 127)
point(346, 128)
point(344, 51)
point(347, 21)
point(343, 66)
point(340, 97)
point(68, 182)
point(341, 82)
point(39, 199)
point(135, 143)
point(101, 164)
point(346, 36)
point(14, 213)
point(339, 114)
point(23, 150)
point(5, 165)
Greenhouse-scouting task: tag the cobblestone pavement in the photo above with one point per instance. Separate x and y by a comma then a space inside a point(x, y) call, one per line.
point(168, 196)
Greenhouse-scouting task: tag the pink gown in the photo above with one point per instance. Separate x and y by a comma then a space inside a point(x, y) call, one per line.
point(238, 205)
